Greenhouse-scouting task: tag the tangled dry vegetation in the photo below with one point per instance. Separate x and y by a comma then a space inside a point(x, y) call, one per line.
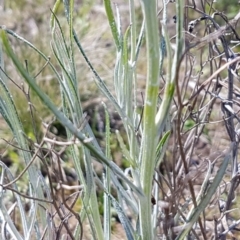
point(205, 129)
point(204, 121)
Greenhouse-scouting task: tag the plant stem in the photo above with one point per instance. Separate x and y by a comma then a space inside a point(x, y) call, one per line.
point(148, 145)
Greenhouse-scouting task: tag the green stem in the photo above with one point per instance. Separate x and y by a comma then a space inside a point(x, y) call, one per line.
point(112, 23)
point(148, 145)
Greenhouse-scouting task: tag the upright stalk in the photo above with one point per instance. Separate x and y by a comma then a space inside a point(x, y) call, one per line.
point(148, 145)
